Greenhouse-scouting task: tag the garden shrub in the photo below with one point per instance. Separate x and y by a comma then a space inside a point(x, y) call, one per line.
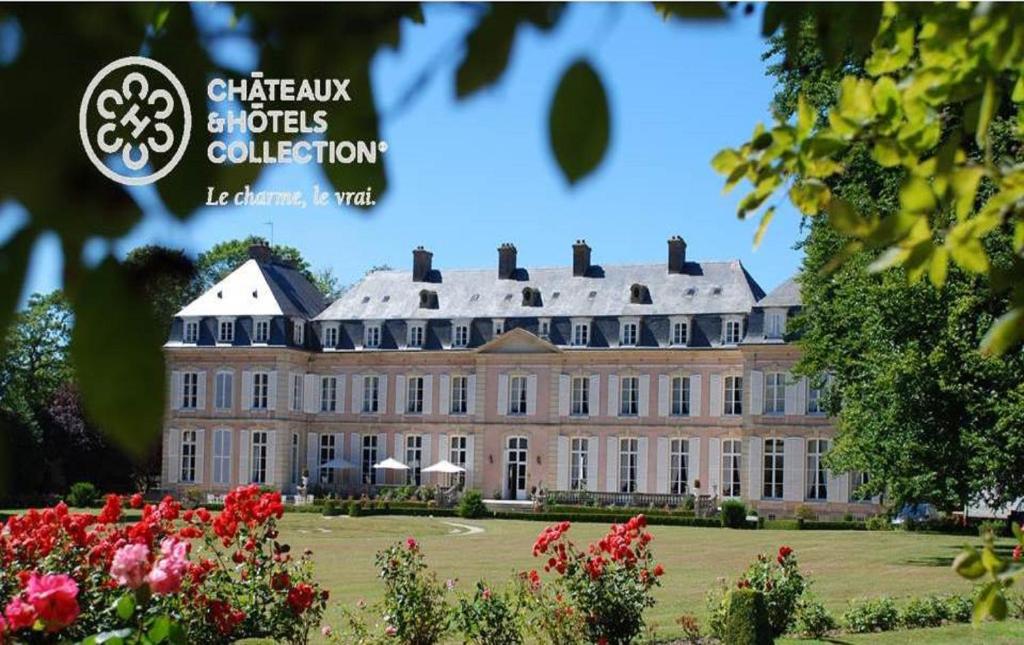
point(82, 495)
point(778, 579)
point(471, 505)
point(746, 618)
point(331, 508)
point(960, 608)
point(996, 527)
point(690, 628)
point(414, 604)
point(489, 618)
point(813, 620)
point(355, 508)
point(782, 525)
point(734, 514)
point(878, 523)
point(805, 512)
point(831, 525)
point(930, 611)
point(871, 615)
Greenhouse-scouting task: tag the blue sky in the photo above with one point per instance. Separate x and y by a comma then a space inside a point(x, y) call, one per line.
point(467, 176)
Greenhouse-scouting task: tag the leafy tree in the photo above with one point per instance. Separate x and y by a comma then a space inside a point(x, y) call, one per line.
point(166, 276)
point(214, 265)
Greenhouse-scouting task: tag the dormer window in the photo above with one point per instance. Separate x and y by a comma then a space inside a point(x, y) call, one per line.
point(732, 330)
point(680, 331)
point(629, 332)
point(428, 299)
point(371, 336)
point(544, 328)
point(775, 324)
point(331, 336)
point(298, 331)
point(531, 297)
point(499, 326)
point(226, 330)
point(190, 332)
point(416, 333)
point(460, 334)
point(261, 331)
point(580, 333)
point(639, 294)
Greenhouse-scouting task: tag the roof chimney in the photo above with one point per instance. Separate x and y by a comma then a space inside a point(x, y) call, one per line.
point(580, 258)
point(421, 264)
point(506, 261)
point(261, 252)
point(676, 254)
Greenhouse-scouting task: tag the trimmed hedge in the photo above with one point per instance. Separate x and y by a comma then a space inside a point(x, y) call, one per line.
point(746, 619)
point(631, 510)
point(812, 525)
point(608, 518)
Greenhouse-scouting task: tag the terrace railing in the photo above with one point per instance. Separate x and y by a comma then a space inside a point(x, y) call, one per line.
point(636, 500)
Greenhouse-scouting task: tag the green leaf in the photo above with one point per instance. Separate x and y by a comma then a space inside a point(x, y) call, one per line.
point(968, 564)
point(761, 141)
point(1005, 332)
point(965, 186)
point(726, 161)
point(846, 220)
point(887, 153)
point(810, 196)
point(855, 101)
point(990, 602)
point(939, 267)
point(992, 562)
point(579, 122)
point(763, 226)
point(805, 118)
point(177, 634)
point(968, 252)
point(125, 607)
point(160, 630)
point(113, 637)
point(989, 103)
point(916, 196)
point(885, 97)
point(14, 257)
point(488, 47)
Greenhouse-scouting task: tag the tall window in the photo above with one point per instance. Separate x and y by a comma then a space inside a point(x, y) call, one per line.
point(773, 327)
point(295, 458)
point(371, 394)
point(579, 403)
point(774, 393)
point(299, 332)
point(517, 395)
point(544, 328)
point(260, 390)
point(226, 331)
point(733, 395)
point(221, 456)
point(259, 457)
point(499, 326)
point(460, 337)
point(814, 402)
point(369, 459)
point(629, 399)
point(680, 333)
point(460, 395)
point(261, 331)
point(328, 451)
point(774, 467)
point(578, 463)
point(223, 390)
point(190, 390)
point(731, 332)
point(413, 458)
point(331, 336)
point(581, 334)
point(414, 395)
point(190, 334)
point(189, 445)
point(817, 476)
point(731, 468)
point(630, 332)
point(458, 454)
point(680, 396)
point(416, 335)
point(679, 466)
point(297, 387)
point(328, 393)
point(371, 337)
point(629, 451)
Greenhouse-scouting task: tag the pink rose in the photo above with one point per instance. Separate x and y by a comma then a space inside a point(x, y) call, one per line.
point(55, 599)
point(166, 575)
point(20, 614)
point(130, 565)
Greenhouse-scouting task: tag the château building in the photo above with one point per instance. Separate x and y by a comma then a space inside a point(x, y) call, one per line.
point(671, 378)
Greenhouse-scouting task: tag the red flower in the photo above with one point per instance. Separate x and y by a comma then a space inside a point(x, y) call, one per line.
point(411, 544)
point(784, 552)
point(1017, 552)
point(280, 581)
point(135, 501)
point(300, 597)
point(111, 512)
point(55, 599)
point(658, 570)
point(20, 614)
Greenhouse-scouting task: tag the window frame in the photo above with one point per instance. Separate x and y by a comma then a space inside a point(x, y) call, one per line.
point(298, 332)
point(629, 396)
point(732, 452)
point(679, 396)
point(221, 391)
point(260, 331)
point(260, 395)
point(629, 332)
point(678, 466)
point(580, 336)
point(221, 462)
point(187, 456)
point(414, 394)
point(579, 397)
point(259, 457)
point(298, 391)
point(416, 335)
point(189, 390)
point(193, 337)
point(730, 337)
point(368, 457)
point(371, 395)
point(497, 327)
point(774, 382)
point(326, 451)
point(732, 395)
point(372, 335)
point(225, 331)
point(629, 464)
point(328, 393)
point(579, 462)
point(458, 399)
point(816, 473)
point(675, 323)
point(773, 469)
point(413, 476)
point(518, 401)
point(332, 334)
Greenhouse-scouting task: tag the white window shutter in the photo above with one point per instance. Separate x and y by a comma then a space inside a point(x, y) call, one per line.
point(356, 456)
point(595, 400)
point(756, 392)
point(593, 447)
point(272, 390)
point(426, 456)
point(613, 399)
point(443, 451)
point(503, 394)
point(563, 395)
point(664, 399)
point(271, 457)
point(661, 486)
point(716, 396)
point(244, 457)
point(400, 395)
point(291, 389)
point(175, 390)
point(755, 468)
point(693, 472)
point(341, 394)
point(313, 456)
point(444, 394)
point(471, 395)
point(246, 390)
point(644, 400)
point(791, 397)
point(839, 488)
point(562, 479)
point(311, 394)
point(611, 479)
point(470, 460)
point(793, 469)
point(801, 396)
point(715, 466)
point(428, 394)
point(695, 395)
point(200, 455)
point(383, 392)
point(531, 395)
point(173, 457)
point(339, 445)
point(642, 474)
point(400, 447)
point(357, 394)
point(382, 447)
point(201, 389)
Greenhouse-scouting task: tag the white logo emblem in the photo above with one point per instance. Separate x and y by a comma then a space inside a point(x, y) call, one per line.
point(136, 114)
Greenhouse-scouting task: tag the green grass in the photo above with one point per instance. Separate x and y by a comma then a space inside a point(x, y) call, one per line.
point(842, 564)
point(986, 634)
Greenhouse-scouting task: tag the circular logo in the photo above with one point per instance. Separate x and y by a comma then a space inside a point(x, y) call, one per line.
point(135, 121)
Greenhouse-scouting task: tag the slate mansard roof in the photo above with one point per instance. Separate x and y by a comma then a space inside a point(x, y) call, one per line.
point(259, 288)
point(785, 295)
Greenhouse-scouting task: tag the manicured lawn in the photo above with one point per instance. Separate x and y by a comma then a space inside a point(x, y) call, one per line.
point(986, 634)
point(842, 564)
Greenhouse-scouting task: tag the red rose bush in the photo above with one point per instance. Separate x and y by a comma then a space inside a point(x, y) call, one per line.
point(171, 576)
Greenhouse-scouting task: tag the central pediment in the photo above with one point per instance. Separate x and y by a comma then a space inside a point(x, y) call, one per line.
point(518, 341)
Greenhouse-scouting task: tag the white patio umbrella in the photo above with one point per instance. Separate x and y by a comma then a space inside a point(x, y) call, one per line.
point(391, 464)
point(444, 466)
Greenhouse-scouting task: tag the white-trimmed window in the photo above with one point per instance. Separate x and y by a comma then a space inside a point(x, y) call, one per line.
point(190, 332)
point(328, 393)
point(680, 332)
point(774, 324)
point(774, 393)
point(417, 331)
point(371, 394)
point(680, 387)
point(298, 331)
point(579, 463)
point(678, 466)
point(857, 480)
point(413, 458)
point(580, 333)
point(225, 330)
point(517, 393)
point(371, 336)
point(369, 458)
point(733, 395)
point(298, 380)
point(629, 396)
point(629, 333)
point(460, 334)
point(189, 446)
point(296, 473)
point(458, 454)
point(629, 463)
point(261, 331)
point(774, 468)
point(731, 468)
point(544, 328)
point(189, 390)
point(222, 456)
point(260, 456)
point(732, 331)
point(330, 336)
point(459, 395)
point(817, 475)
point(328, 451)
point(414, 395)
point(260, 390)
point(498, 327)
point(579, 400)
point(223, 390)
point(815, 405)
